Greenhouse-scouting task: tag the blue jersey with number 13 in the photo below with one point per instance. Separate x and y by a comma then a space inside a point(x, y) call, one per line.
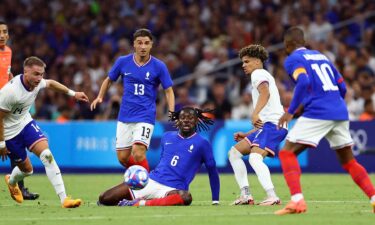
point(140, 84)
point(323, 100)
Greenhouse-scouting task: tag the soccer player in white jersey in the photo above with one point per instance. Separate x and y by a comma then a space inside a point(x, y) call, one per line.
point(19, 131)
point(265, 138)
point(141, 75)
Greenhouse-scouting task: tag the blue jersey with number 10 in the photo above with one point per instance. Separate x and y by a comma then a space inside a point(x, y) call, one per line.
point(323, 100)
point(140, 84)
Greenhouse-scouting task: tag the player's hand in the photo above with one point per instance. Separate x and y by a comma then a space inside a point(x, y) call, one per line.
point(95, 102)
point(81, 96)
point(4, 154)
point(238, 136)
point(215, 203)
point(284, 120)
point(257, 122)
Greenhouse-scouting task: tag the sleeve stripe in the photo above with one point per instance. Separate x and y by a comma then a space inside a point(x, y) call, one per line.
point(340, 80)
point(263, 81)
point(298, 72)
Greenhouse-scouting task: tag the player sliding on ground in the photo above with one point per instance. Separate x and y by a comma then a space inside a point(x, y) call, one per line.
point(19, 131)
point(322, 90)
point(183, 153)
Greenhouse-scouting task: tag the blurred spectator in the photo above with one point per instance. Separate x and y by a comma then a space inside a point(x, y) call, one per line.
point(369, 112)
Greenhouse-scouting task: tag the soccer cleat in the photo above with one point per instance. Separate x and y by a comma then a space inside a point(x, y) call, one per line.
point(29, 195)
point(270, 201)
point(126, 202)
point(293, 208)
point(71, 203)
point(15, 191)
point(244, 200)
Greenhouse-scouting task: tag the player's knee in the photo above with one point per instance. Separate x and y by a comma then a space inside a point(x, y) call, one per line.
point(139, 155)
point(46, 157)
point(186, 196)
point(254, 158)
point(104, 199)
point(234, 154)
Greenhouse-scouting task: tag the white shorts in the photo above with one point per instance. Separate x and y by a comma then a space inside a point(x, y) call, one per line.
point(152, 190)
point(310, 131)
point(128, 134)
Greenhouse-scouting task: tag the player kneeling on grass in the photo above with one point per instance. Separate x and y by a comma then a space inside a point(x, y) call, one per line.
point(183, 153)
point(19, 131)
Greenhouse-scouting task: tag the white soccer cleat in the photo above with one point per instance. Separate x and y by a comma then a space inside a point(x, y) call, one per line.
point(270, 201)
point(244, 200)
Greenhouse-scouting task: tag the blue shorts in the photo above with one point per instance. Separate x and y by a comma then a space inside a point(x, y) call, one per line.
point(27, 138)
point(267, 138)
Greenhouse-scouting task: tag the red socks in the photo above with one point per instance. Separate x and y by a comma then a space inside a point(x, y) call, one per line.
point(360, 177)
point(143, 163)
point(291, 170)
point(169, 200)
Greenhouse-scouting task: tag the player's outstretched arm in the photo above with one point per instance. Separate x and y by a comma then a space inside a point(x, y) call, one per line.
point(3, 150)
point(169, 94)
point(56, 86)
point(103, 90)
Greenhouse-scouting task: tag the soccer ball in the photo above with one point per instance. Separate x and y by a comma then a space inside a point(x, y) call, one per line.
point(136, 177)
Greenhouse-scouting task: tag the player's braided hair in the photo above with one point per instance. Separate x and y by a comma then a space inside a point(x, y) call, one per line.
point(203, 121)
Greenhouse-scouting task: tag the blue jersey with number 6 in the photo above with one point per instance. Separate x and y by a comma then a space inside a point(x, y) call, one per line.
point(323, 100)
point(140, 84)
point(180, 160)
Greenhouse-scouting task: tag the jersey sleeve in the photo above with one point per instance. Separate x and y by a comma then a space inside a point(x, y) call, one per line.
point(258, 78)
point(294, 66)
point(165, 77)
point(6, 100)
point(115, 70)
point(42, 84)
point(339, 80)
point(213, 174)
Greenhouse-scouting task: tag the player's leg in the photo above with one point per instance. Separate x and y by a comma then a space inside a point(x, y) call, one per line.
point(264, 176)
point(339, 138)
point(156, 194)
point(19, 172)
point(265, 143)
point(25, 191)
point(114, 195)
point(22, 169)
point(124, 133)
point(235, 155)
point(41, 149)
point(305, 133)
point(141, 139)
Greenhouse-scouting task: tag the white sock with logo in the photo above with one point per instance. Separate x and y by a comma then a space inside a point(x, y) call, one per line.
point(53, 173)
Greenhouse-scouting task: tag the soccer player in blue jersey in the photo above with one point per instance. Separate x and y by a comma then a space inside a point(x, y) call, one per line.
point(321, 89)
point(265, 138)
point(141, 74)
point(183, 153)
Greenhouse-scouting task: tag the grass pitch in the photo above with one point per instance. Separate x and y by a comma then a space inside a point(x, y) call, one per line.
point(331, 199)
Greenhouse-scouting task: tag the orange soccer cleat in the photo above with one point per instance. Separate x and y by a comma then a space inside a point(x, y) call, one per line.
point(15, 191)
point(293, 208)
point(71, 203)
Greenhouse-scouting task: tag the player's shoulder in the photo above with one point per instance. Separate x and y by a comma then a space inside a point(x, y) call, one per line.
point(8, 49)
point(125, 58)
point(157, 61)
point(260, 73)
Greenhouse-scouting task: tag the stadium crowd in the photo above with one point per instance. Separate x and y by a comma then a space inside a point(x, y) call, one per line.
point(79, 41)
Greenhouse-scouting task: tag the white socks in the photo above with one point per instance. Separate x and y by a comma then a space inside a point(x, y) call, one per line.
point(17, 175)
point(53, 173)
point(263, 173)
point(297, 197)
point(239, 167)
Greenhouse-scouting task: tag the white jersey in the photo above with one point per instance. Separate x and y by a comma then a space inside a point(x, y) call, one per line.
point(273, 110)
point(17, 100)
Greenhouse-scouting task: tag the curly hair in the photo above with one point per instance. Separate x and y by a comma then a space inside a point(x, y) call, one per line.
point(254, 51)
point(203, 121)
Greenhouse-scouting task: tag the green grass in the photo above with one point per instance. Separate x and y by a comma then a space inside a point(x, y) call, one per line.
point(332, 199)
